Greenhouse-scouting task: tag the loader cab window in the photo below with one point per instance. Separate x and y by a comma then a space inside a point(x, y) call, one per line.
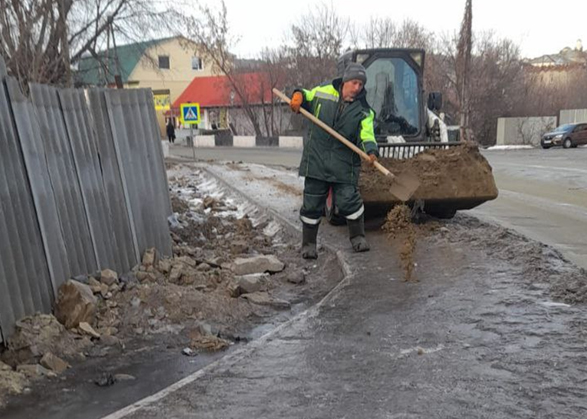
point(392, 91)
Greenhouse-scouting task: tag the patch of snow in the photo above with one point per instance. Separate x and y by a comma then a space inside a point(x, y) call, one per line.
point(510, 147)
point(553, 304)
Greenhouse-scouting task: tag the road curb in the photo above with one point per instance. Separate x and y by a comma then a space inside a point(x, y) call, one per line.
point(293, 228)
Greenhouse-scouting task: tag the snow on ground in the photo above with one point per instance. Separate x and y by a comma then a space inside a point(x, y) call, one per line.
point(510, 147)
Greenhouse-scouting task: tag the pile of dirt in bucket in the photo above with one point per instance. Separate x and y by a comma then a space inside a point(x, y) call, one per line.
point(455, 173)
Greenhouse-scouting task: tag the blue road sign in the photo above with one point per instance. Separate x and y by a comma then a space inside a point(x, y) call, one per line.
point(190, 113)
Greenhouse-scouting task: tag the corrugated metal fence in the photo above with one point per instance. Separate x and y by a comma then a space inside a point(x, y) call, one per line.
point(82, 188)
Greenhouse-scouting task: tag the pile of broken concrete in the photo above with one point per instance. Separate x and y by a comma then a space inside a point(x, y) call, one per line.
point(219, 279)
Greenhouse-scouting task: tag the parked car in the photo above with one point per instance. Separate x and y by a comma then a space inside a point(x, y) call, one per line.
point(568, 135)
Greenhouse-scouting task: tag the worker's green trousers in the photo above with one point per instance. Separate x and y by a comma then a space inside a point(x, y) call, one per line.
point(346, 196)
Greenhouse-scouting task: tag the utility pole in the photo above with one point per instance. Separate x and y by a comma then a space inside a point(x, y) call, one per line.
point(463, 70)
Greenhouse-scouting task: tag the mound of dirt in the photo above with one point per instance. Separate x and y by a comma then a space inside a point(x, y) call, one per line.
point(456, 173)
point(39, 334)
point(11, 382)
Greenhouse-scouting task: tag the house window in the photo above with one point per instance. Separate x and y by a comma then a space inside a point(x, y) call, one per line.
point(197, 63)
point(164, 62)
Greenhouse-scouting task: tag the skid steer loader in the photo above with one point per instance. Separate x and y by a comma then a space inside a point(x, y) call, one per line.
point(406, 124)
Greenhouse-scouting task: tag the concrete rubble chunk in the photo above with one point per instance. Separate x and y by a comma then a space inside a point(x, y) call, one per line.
point(238, 247)
point(11, 382)
point(76, 303)
point(247, 284)
point(185, 260)
point(264, 299)
point(188, 352)
point(95, 285)
point(143, 276)
point(208, 343)
point(108, 277)
point(110, 340)
point(35, 371)
point(88, 330)
point(257, 264)
point(165, 266)
point(176, 273)
point(104, 290)
point(209, 202)
point(203, 267)
point(215, 262)
point(54, 363)
point(297, 278)
point(150, 257)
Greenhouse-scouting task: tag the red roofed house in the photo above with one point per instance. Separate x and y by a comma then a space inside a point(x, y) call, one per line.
point(221, 107)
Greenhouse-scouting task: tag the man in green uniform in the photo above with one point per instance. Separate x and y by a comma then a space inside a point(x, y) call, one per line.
point(326, 162)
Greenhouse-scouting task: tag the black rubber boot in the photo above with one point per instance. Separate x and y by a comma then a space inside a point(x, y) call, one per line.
point(309, 235)
point(357, 234)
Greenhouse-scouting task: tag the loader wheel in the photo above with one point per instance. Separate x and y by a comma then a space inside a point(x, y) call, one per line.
point(443, 214)
point(330, 211)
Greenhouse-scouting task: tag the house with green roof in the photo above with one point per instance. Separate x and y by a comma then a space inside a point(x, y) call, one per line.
point(166, 65)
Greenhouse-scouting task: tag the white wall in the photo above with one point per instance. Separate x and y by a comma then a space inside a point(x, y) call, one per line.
point(568, 116)
point(523, 131)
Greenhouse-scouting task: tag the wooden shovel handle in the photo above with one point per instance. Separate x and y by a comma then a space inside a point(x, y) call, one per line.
point(335, 134)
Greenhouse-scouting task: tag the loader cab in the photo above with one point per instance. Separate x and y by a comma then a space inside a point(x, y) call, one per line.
point(394, 90)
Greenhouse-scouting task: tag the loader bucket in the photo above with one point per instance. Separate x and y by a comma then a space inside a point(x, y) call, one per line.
point(453, 176)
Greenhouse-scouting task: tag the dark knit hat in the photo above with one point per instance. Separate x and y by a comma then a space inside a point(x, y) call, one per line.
point(355, 71)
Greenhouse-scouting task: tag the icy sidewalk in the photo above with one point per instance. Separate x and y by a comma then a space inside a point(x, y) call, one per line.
point(479, 336)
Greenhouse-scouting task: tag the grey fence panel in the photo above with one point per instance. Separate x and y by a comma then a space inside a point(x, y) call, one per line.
point(79, 189)
point(64, 179)
point(85, 155)
point(150, 120)
point(127, 254)
point(148, 215)
point(25, 276)
point(150, 141)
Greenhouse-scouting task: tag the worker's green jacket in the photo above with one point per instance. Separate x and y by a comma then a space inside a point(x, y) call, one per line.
point(325, 157)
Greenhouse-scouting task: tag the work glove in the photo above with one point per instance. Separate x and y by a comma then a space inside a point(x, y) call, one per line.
point(296, 101)
point(372, 159)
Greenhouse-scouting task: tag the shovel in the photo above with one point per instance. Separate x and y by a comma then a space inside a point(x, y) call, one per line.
point(403, 186)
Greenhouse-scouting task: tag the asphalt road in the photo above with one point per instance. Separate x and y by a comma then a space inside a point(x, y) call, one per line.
point(543, 193)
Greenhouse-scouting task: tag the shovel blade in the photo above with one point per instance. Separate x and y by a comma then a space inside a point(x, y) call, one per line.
point(404, 186)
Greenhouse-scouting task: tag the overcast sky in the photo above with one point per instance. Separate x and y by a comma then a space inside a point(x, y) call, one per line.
point(538, 27)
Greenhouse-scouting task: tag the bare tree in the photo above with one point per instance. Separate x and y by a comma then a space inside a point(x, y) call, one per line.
point(383, 32)
point(318, 39)
point(274, 67)
point(41, 39)
point(548, 90)
point(211, 32)
point(380, 32)
point(33, 39)
point(496, 81)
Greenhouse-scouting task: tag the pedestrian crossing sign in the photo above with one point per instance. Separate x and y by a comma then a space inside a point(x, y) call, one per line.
point(190, 113)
